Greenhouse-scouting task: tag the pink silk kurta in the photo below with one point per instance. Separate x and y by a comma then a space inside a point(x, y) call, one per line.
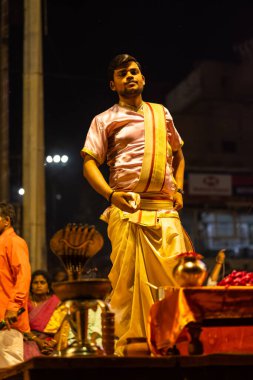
point(117, 135)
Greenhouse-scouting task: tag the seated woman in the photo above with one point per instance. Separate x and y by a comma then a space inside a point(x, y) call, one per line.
point(44, 320)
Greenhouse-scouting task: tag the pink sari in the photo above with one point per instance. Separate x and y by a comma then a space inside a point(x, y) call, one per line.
point(39, 317)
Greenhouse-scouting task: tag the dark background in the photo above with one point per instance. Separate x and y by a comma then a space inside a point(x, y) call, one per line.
point(169, 38)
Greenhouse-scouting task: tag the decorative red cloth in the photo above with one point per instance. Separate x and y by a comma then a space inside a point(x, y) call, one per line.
point(169, 317)
point(39, 315)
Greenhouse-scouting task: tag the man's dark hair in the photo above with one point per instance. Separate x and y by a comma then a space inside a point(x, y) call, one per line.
point(121, 60)
point(8, 210)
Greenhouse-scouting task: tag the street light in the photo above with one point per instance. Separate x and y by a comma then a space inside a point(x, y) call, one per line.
point(57, 159)
point(64, 158)
point(21, 191)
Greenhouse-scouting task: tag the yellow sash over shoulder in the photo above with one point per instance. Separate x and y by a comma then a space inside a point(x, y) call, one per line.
point(155, 152)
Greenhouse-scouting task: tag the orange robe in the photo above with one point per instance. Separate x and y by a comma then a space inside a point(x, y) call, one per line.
point(15, 277)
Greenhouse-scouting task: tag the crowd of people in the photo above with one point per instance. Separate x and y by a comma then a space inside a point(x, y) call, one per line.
point(143, 149)
point(27, 303)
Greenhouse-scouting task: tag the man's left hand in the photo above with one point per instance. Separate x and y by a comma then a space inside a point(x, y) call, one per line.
point(178, 201)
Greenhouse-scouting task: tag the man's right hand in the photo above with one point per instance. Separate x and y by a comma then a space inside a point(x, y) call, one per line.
point(10, 317)
point(122, 200)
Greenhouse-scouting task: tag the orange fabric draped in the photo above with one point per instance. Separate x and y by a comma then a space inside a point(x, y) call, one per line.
point(169, 317)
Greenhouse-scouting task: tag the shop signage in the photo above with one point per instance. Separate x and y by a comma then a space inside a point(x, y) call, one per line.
point(210, 184)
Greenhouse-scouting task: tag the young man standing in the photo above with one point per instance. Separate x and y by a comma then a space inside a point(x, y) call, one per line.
point(143, 151)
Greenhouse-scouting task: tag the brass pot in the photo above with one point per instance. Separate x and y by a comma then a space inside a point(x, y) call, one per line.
point(190, 271)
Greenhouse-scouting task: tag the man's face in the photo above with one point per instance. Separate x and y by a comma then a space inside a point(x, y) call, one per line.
point(128, 81)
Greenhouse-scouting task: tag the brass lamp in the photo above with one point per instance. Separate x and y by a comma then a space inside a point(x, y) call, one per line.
point(74, 245)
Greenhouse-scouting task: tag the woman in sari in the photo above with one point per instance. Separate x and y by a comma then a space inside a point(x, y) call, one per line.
point(43, 323)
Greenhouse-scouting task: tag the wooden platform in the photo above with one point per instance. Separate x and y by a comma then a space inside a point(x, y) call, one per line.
point(204, 367)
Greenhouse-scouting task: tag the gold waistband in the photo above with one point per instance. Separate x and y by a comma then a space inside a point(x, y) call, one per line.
point(156, 204)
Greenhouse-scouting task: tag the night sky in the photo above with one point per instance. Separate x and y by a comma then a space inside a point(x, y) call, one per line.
point(169, 38)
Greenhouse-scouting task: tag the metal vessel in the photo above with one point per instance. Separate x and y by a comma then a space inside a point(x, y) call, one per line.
point(73, 245)
point(190, 270)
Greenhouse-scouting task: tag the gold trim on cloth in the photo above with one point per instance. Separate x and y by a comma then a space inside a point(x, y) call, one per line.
point(149, 214)
point(147, 217)
point(56, 319)
point(155, 151)
point(141, 217)
point(156, 204)
point(90, 153)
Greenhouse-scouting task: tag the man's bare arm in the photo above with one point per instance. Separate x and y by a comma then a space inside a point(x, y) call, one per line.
point(96, 179)
point(179, 167)
point(178, 164)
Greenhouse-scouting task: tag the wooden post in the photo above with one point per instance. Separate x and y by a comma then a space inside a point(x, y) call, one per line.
point(33, 136)
point(4, 102)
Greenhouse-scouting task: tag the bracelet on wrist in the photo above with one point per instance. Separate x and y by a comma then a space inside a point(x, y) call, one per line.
point(180, 191)
point(29, 337)
point(110, 196)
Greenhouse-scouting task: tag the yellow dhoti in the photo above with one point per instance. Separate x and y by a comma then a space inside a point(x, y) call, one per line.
point(144, 249)
point(144, 244)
